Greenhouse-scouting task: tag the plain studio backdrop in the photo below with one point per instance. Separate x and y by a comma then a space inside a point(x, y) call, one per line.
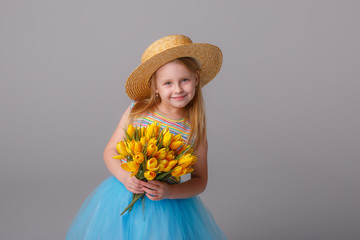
point(283, 113)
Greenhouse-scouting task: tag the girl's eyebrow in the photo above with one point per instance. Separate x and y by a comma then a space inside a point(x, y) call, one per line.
point(165, 80)
point(180, 78)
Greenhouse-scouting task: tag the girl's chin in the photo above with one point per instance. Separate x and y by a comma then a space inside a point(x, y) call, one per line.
point(179, 104)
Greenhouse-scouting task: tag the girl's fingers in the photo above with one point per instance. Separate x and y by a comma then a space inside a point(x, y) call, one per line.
point(154, 189)
point(134, 180)
point(137, 192)
point(138, 188)
point(134, 189)
point(156, 183)
point(150, 184)
point(150, 191)
point(154, 198)
point(134, 186)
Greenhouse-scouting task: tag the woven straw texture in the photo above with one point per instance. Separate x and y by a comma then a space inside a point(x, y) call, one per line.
point(165, 50)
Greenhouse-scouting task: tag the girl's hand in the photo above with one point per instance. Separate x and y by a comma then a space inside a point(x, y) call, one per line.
point(133, 184)
point(156, 190)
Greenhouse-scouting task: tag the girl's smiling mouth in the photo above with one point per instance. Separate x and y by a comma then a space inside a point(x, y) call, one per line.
point(179, 97)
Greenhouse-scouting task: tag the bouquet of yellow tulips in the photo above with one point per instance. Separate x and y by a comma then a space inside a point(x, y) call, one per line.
point(150, 153)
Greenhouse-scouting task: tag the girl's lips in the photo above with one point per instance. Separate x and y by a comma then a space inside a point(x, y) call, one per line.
point(179, 98)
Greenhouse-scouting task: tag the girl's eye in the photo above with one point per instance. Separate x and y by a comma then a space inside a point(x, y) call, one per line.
point(167, 83)
point(185, 80)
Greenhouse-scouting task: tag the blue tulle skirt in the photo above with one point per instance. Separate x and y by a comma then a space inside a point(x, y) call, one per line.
point(99, 217)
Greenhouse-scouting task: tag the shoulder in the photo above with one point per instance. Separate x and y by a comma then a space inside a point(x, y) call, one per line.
point(125, 117)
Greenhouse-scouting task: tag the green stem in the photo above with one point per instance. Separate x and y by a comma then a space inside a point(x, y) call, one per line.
point(135, 198)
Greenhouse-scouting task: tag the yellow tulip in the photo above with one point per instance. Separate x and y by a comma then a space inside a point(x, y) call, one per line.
point(121, 148)
point(130, 147)
point(186, 155)
point(167, 139)
point(178, 171)
point(119, 156)
point(164, 161)
point(169, 165)
point(170, 155)
point(151, 149)
point(134, 167)
point(165, 130)
point(161, 167)
point(131, 167)
point(152, 141)
point(156, 128)
point(186, 160)
point(178, 137)
point(189, 155)
point(137, 147)
point(138, 158)
point(161, 154)
point(134, 173)
point(151, 164)
point(118, 147)
point(131, 131)
point(149, 132)
point(189, 170)
point(143, 141)
point(162, 164)
point(149, 175)
point(126, 167)
point(176, 144)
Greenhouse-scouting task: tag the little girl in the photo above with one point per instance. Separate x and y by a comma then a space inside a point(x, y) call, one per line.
point(166, 88)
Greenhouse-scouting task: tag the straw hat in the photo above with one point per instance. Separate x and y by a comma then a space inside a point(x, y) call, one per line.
point(165, 50)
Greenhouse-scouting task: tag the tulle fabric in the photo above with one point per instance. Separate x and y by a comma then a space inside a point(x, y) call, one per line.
point(178, 219)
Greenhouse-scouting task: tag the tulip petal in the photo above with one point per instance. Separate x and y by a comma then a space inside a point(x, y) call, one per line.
point(119, 156)
point(126, 167)
point(139, 157)
point(149, 175)
point(130, 131)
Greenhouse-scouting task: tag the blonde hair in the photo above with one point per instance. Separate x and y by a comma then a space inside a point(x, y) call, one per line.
point(195, 108)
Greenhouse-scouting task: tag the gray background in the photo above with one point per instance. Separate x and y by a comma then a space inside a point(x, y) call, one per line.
point(283, 113)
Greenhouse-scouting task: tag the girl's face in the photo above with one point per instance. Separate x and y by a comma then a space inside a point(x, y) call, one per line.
point(175, 85)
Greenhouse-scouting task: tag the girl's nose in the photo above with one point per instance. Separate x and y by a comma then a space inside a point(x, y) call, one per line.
point(178, 88)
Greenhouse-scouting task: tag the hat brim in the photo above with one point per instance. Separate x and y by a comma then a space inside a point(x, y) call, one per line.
point(209, 56)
